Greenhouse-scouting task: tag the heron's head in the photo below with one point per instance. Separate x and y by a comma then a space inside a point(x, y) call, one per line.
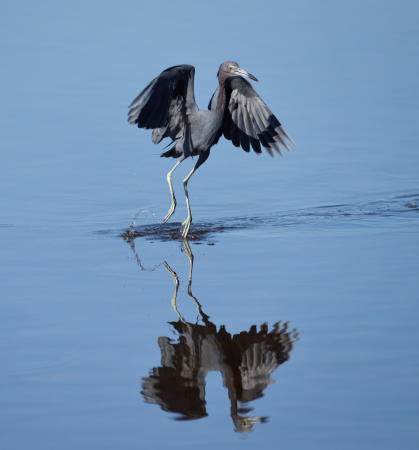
point(245, 424)
point(231, 69)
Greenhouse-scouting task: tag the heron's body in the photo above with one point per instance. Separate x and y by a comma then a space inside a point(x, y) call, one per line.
point(205, 128)
point(167, 105)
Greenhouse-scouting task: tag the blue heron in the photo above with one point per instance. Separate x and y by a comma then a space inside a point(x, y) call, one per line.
point(167, 105)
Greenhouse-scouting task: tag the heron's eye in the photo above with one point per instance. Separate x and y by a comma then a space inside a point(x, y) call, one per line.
point(233, 68)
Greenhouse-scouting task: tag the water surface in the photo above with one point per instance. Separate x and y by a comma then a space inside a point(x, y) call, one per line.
point(290, 317)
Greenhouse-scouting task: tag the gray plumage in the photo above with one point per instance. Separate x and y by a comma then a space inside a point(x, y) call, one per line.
point(167, 105)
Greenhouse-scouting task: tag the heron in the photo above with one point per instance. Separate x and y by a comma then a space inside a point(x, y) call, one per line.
point(167, 106)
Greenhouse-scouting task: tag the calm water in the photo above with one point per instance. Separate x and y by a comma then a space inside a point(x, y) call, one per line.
point(290, 318)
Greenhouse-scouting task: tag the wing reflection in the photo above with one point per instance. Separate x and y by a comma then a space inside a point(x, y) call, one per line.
point(245, 360)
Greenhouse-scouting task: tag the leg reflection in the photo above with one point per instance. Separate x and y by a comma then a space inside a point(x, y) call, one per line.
point(175, 292)
point(131, 243)
point(188, 251)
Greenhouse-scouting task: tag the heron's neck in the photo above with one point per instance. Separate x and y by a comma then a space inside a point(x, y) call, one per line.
point(221, 100)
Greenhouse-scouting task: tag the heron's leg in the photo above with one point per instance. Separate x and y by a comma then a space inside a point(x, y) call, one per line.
point(172, 194)
point(187, 222)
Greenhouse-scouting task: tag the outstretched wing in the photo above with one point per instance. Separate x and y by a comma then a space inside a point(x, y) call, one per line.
point(249, 122)
point(261, 352)
point(165, 103)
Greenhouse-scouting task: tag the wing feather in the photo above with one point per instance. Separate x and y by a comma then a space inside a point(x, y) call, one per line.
point(244, 138)
point(165, 103)
point(249, 122)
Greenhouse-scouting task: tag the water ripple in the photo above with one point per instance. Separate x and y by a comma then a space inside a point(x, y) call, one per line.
point(400, 206)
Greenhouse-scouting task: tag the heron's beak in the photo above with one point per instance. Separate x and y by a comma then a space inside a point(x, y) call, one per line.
point(243, 73)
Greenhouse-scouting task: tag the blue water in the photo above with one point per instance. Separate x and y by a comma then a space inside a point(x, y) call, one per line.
point(97, 350)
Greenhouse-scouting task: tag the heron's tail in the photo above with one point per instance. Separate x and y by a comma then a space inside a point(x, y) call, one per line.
point(171, 153)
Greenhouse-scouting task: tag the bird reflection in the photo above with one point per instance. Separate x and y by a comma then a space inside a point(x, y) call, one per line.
point(245, 360)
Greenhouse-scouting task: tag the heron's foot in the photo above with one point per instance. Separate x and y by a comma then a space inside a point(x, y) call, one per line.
point(186, 225)
point(170, 212)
